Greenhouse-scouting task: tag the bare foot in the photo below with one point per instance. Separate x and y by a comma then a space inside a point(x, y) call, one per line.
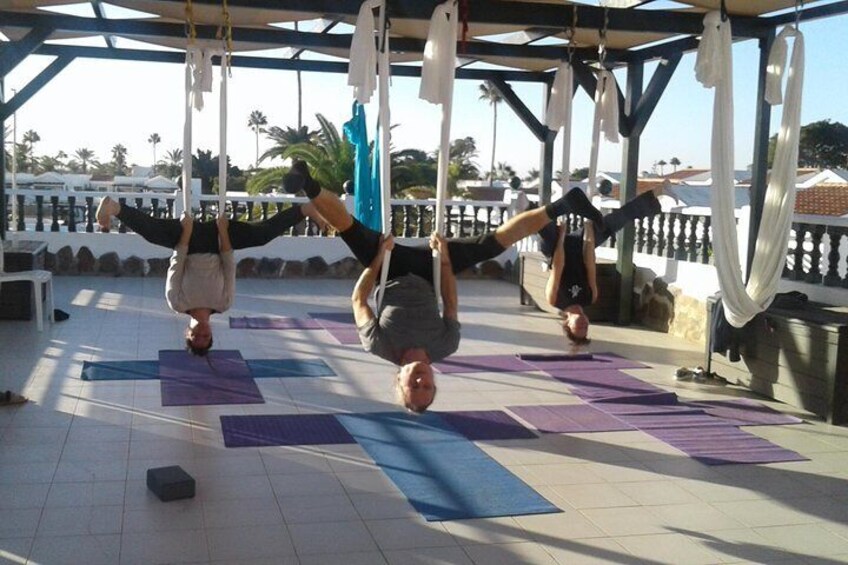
point(105, 210)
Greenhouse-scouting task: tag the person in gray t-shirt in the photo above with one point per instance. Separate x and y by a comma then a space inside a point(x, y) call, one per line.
point(408, 328)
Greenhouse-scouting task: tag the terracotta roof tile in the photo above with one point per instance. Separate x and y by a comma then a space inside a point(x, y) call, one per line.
point(827, 199)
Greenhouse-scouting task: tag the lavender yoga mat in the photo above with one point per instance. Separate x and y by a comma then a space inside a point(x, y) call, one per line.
point(273, 323)
point(483, 364)
point(486, 425)
point(289, 429)
point(345, 336)
point(743, 412)
point(221, 377)
point(603, 383)
point(557, 362)
point(569, 418)
point(724, 444)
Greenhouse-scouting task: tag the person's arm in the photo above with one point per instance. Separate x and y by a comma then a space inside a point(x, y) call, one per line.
point(557, 267)
point(176, 269)
point(228, 262)
point(447, 279)
point(362, 312)
point(589, 258)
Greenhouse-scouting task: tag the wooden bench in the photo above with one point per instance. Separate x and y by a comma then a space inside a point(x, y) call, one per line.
point(533, 278)
point(797, 356)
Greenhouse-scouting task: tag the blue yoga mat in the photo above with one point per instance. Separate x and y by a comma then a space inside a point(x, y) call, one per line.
point(119, 370)
point(444, 476)
point(259, 369)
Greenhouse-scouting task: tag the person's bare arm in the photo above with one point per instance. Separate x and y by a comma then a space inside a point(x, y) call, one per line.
point(589, 258)
point(450, 300)
point(224, 243)
point(557, 266)
point(362, 312)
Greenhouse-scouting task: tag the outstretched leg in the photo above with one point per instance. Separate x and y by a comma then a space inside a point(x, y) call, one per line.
point(256, 234)
point(644, 205)
point(155, 230)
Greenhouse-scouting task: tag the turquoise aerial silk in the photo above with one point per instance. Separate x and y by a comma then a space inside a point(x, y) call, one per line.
point(366, 179)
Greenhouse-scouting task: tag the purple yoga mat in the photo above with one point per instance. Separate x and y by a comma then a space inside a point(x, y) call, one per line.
point(334, 319)
point(671, 420)
point(221, 377)
point(486, 425)
point(345, 336)
point(483, 364)
point(603, 383)
point(600, 361)
point(743, 412)
point(724, 444)
point(569, 418)
point(289, 429)
point(273, 323)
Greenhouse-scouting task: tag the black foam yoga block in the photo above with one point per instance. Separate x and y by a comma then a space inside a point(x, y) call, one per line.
point(170, 483)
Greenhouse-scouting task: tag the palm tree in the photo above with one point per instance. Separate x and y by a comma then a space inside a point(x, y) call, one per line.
point(155, 140)
point(661, 163)
point(255, 122)
point(204, 166)
point(173, 162)
point(30, 138)
point(675, 162)
point(330, 157)
point(491, 94)
point(119, 158)
point(284, 138)
point(85, 156)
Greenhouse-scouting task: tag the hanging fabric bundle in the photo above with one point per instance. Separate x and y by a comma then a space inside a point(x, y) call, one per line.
point(714, 68)
point(606, 109)
point(366, 195)
point(437, 78)
point(361, 74)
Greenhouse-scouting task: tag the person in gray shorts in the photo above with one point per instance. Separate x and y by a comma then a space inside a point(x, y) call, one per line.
point(408, 330)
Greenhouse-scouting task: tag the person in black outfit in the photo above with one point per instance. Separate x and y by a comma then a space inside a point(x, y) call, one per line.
point(572, 282)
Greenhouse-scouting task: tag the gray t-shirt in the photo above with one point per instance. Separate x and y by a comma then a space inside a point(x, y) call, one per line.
point(409, 318)
point(200, 280)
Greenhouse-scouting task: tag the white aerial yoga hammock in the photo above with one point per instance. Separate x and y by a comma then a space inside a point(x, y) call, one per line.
point(437, 78)
point(383, 71)
point(198, 79)
point(558, 115)
point(714, 67)
point(606, 120)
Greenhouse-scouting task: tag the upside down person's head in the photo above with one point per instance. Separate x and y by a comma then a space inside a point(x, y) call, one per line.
point(198, 336)
point(415, 383)
point(575, 325)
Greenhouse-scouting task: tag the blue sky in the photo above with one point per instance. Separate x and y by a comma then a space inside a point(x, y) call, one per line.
point(97, 104)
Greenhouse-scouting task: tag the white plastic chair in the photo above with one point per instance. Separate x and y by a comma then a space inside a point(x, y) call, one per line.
point(37, 278)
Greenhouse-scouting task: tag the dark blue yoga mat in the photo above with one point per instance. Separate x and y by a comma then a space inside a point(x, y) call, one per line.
point(287, 429)
point(259, 369)
point(221, 377)
point(119, 370)
point(273, 323)
point(479, 425)
point(444, 476)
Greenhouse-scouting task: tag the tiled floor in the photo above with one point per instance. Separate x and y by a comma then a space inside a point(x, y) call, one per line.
point(73, 461)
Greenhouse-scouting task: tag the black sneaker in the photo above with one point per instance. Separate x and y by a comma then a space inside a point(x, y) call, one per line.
point(298, 178)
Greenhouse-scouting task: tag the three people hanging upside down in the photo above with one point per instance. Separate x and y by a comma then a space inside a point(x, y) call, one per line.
point(202, 273)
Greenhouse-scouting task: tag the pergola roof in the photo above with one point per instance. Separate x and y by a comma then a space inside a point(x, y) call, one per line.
point(524, 35)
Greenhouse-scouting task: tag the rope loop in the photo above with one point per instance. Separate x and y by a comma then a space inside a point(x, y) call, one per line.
point(602, 44)
point(570, 32)
point(190, 30)
point(799, 6)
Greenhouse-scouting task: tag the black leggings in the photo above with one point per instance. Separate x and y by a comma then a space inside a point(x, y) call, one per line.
point(464, 252)
point(646, 204)
point(204, 235)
